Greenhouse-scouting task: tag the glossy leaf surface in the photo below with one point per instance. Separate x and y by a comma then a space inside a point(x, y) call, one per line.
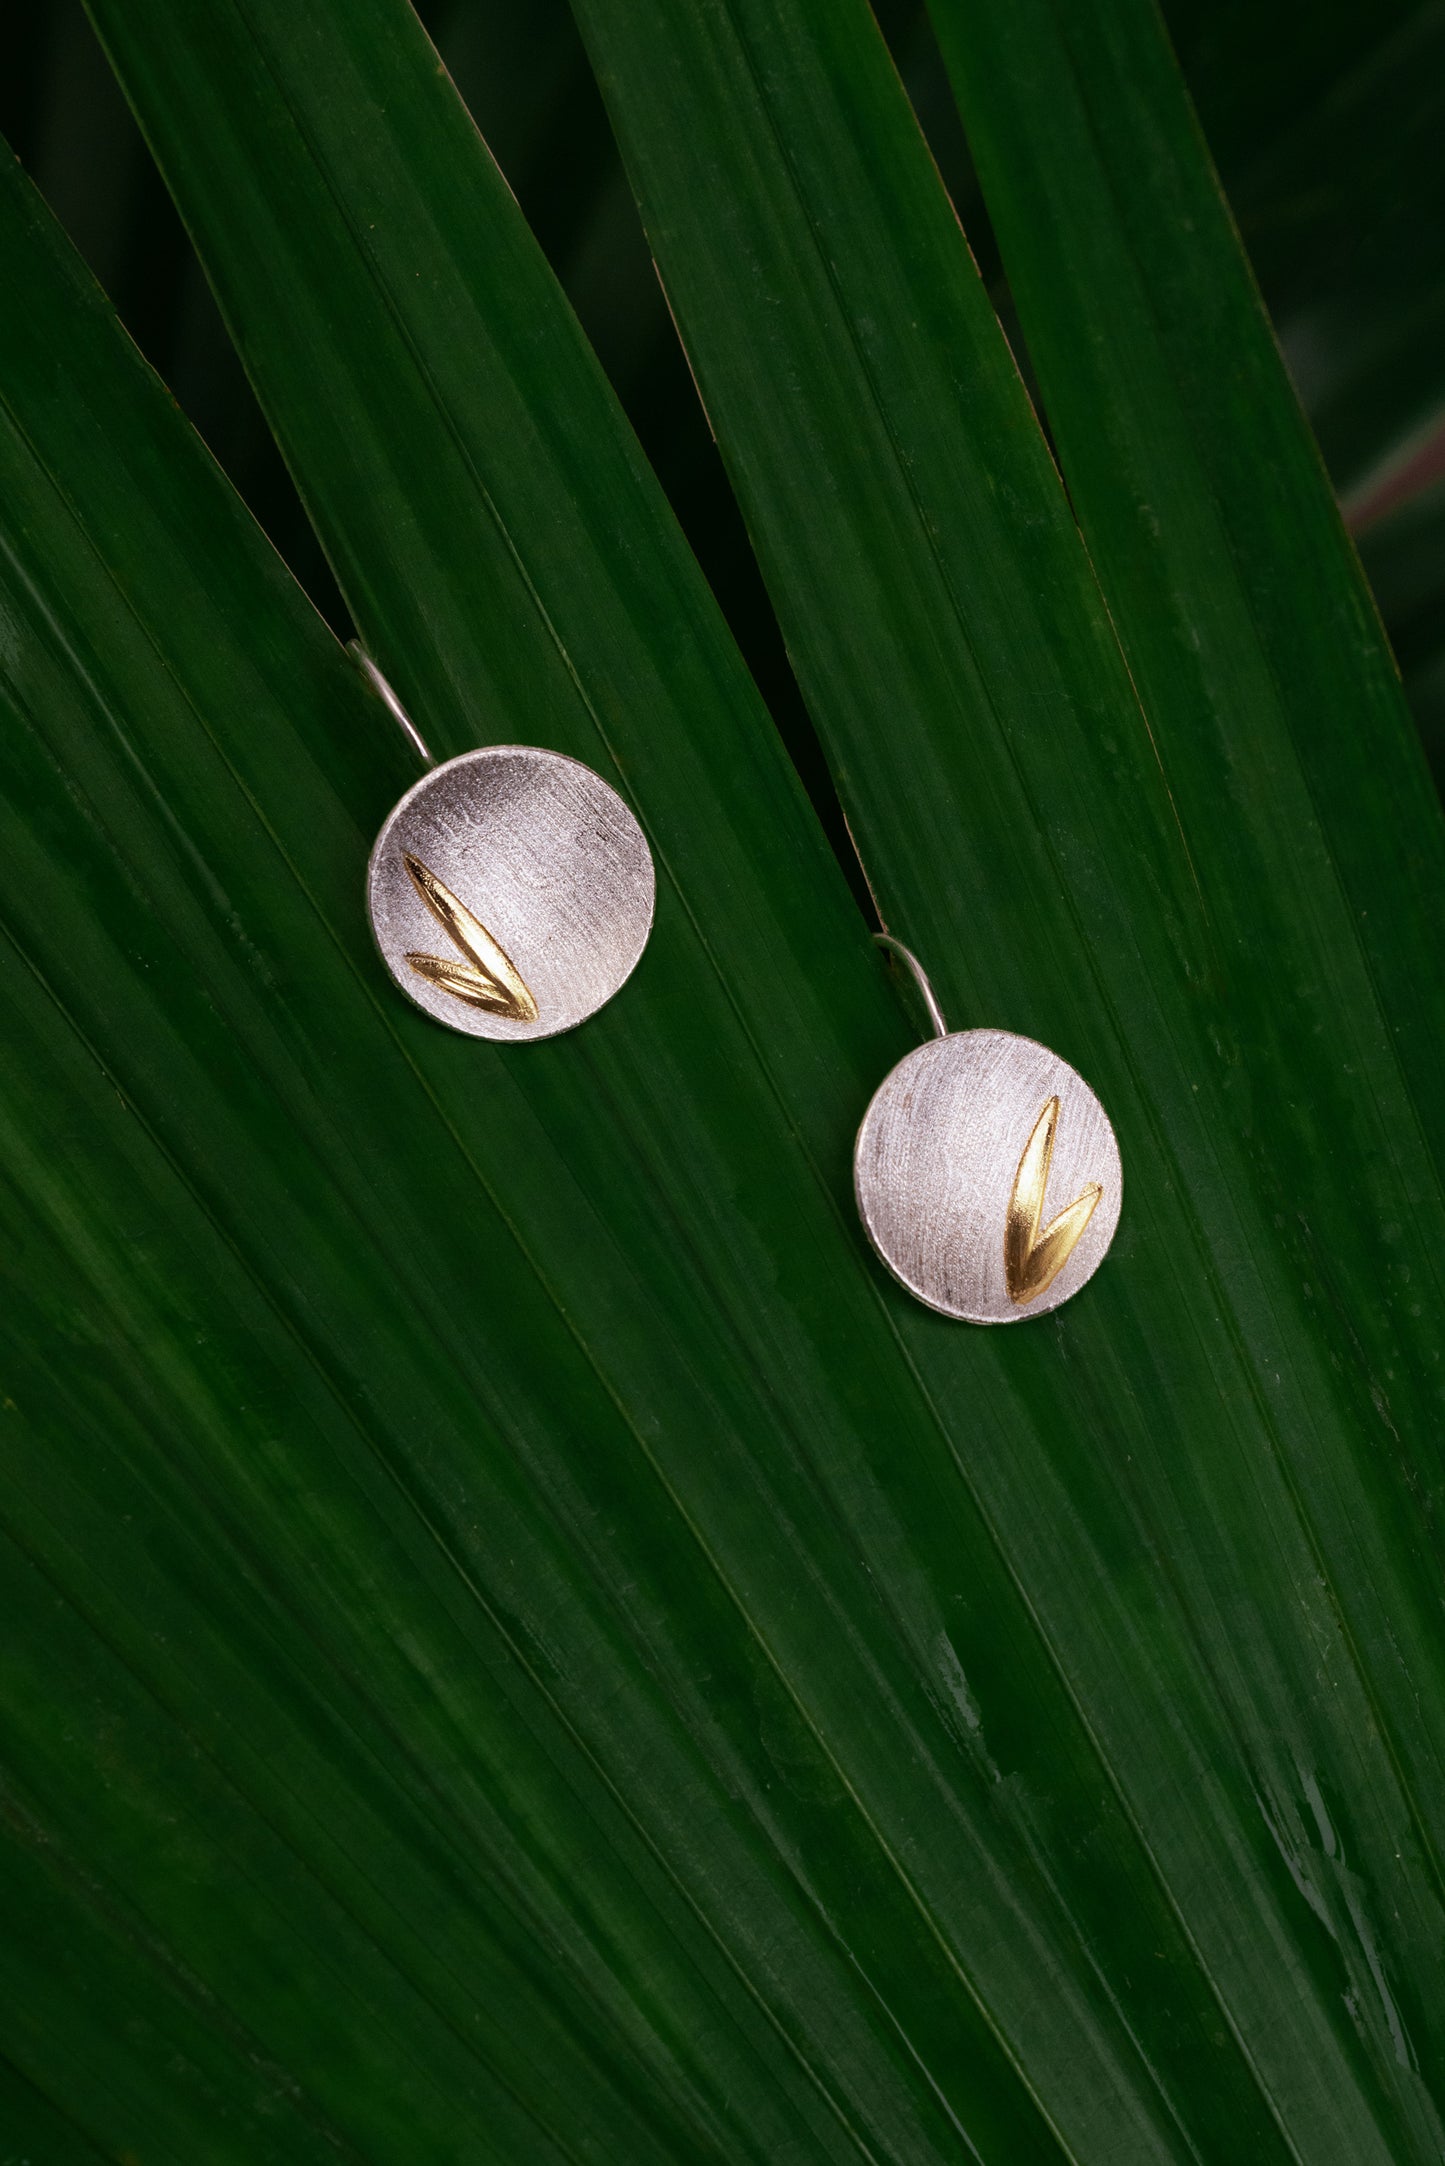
point(619, 1680)
point(1059, 860)
point(420, 1434)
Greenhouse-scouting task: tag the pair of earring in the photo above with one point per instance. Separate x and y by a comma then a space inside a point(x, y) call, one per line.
point(542, 882)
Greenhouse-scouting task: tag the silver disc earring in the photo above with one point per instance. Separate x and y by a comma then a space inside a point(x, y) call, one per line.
point(510, 891)
point(986, 1171)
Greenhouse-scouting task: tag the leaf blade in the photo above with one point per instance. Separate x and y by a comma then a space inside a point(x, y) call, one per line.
point(1028, 726)
point(186, 745)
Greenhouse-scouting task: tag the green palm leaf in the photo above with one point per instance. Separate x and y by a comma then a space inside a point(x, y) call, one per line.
point(588, 1423)
point(1074, 895)
point(525, 1644)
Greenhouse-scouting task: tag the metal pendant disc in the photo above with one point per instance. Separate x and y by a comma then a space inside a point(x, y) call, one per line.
point(939, 1155)
point(545, 855)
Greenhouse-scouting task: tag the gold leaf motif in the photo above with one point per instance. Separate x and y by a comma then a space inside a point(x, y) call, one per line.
point(1032, 1260)
point(488, 978)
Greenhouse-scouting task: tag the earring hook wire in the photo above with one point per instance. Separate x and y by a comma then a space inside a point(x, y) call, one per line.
point(399, 714)
point(920, 979)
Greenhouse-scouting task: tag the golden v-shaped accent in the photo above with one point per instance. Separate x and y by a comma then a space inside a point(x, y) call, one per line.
point(488, 978)
point(1033, 1260)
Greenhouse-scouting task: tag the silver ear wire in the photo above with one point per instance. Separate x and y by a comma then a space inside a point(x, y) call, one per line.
point(399, 714)
point(920, 979)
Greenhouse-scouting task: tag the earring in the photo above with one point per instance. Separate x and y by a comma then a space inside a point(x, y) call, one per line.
point(510, 891)
point(962, 1153)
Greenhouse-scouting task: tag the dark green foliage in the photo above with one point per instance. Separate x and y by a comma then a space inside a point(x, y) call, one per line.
point(524, 1644)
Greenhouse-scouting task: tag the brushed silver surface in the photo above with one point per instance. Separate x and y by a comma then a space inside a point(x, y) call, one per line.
point(550, 859)
point(936, 1159)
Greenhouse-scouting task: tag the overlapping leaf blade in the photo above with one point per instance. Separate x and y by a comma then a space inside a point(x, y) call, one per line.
point(727, 1542)
point(560, 1415)
point(1009, 798)
point(258, 1444)
point(1270, 690)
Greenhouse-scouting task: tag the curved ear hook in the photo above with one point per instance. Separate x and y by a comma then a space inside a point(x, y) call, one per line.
point(399, 714)
point(920, 979)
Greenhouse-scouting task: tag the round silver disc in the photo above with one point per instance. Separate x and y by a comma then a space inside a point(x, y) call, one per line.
point(968, 1162)
point(511, 892)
